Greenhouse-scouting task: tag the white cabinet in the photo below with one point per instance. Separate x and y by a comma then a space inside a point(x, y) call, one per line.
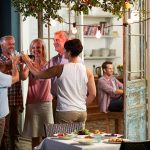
point(110, 38)
point(90, 27)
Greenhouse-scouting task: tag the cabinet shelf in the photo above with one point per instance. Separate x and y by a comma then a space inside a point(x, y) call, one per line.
point(100, 58)
point(99, 16)
point(103, 36)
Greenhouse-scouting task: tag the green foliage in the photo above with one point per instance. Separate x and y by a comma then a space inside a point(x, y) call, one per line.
point(50, 8)
point(120, 68)
point(82, 132)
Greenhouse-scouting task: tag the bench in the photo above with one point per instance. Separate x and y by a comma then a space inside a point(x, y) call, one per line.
point(116, 116)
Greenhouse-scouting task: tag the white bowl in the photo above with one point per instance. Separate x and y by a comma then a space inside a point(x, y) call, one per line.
point(96, 52)
point(104, 52)
point(112, 52)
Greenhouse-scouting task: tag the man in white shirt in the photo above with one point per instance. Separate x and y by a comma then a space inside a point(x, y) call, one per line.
point(5, 82)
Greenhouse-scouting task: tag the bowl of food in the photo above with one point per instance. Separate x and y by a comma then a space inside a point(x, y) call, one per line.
point(110, 135)
point(86, 141)
point(98, 132)
point(82, 132)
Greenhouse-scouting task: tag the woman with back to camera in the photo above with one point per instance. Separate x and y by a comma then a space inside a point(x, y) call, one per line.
point(76, 86)
point(39, 98)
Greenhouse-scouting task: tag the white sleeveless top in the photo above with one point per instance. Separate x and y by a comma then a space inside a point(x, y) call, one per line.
point(72, 88)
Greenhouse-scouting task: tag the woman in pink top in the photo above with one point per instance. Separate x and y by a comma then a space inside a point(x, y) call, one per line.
point(39, 98)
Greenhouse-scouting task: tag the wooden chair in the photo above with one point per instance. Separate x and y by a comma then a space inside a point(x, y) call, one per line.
point(145, 145)
point(51, 129)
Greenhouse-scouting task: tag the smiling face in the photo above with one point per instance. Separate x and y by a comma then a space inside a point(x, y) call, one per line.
point(59, 40)
point(8, 45)
point(108, 70)
point(37, 49)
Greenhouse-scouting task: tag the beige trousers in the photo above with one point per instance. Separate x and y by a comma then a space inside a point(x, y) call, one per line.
point(71, 116)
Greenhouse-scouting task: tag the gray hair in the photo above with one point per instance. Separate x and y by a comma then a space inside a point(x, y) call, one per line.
point(63, 34)
point(4, 38)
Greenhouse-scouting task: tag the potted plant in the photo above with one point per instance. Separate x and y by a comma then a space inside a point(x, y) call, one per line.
point(120, 70)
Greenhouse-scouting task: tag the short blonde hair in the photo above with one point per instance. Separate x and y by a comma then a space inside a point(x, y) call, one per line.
point(63, 34)
point(43, 46)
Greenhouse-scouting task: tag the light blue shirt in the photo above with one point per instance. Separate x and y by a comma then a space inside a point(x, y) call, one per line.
point(5, 82)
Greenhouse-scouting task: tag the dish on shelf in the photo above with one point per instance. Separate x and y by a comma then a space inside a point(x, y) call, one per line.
point(112, 52)
point(96, 52)
point(104, 52)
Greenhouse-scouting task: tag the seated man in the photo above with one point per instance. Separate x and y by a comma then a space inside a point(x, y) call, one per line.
point(110, 90)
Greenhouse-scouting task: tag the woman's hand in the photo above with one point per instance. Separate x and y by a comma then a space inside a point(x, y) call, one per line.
point(26, 58)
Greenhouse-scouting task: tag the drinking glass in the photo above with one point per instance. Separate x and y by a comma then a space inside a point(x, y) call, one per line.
point(97, 137)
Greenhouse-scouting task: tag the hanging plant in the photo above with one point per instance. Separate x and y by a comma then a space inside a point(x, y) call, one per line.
point(50, 8)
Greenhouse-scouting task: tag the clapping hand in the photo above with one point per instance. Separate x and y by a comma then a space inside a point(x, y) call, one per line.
point(15, 60)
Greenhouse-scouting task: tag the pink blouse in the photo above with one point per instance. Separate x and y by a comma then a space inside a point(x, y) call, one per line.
point(39, 89)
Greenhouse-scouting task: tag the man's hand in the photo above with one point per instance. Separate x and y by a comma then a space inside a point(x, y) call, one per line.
point(16, 60)
point(119, 91)
point(3, 67)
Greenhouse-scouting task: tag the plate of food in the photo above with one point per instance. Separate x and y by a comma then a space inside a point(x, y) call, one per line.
point(88, 137)
point(110, 135)
point(86, 141)
point(59, 134)
point(64, 136)
point(114, 140)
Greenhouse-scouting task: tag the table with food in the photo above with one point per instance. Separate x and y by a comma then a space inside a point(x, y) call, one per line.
point(82, 140)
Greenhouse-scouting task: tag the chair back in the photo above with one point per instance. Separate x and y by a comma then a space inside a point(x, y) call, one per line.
point(145, 145)
point(51, 129)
